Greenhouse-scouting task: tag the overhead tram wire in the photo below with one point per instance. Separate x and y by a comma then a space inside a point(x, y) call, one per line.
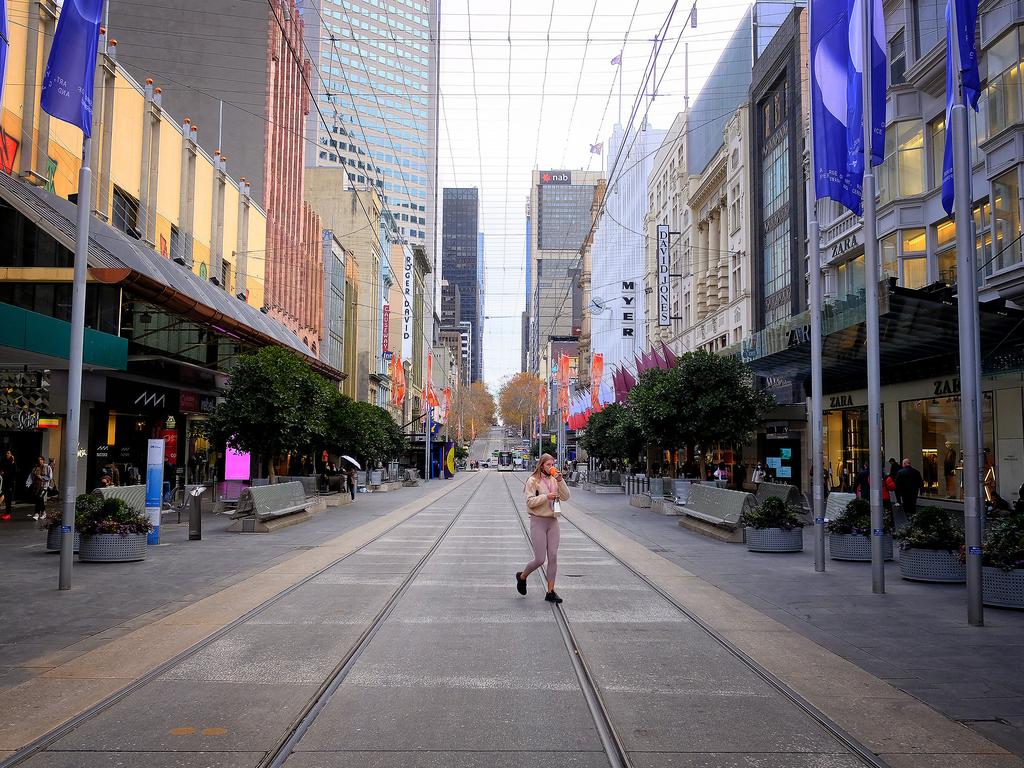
point(638, 100)
point(298, 62)
point(579, 81)
point(544, 83)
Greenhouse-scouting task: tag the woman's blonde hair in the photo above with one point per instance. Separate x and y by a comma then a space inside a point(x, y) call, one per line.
point(540, 463)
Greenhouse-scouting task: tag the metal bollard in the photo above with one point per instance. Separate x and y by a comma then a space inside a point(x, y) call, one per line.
point(195, 514)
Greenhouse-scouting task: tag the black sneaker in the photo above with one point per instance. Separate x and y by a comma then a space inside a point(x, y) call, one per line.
point(520, 583)
point(552, 597)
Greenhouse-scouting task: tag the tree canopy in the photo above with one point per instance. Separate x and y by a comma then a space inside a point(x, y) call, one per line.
point(612, 434)
point(706, 399)
point(363, 430)
point(473, 408)
point(517, 399)
point(274, 405)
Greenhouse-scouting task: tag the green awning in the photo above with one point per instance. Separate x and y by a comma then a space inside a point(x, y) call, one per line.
point(29, 338)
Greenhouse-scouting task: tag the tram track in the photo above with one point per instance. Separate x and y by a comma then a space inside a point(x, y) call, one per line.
point(600, 711)
point(613, 746)
point(276, 756)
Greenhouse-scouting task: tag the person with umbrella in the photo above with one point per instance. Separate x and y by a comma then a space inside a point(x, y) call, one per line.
point(350, 472)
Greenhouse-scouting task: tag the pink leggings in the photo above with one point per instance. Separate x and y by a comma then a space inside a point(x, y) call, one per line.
point(545, 535)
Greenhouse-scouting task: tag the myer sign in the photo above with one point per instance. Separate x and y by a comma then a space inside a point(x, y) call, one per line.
point(664, 303)
point(407, 304)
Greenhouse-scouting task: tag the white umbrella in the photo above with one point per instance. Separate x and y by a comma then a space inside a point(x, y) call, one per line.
point(352, 461)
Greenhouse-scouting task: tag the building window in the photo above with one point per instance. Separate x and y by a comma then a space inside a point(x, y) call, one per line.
point(945, 246)
point(890, 256)
point(1006, 219)
point(983, 236)
point(902, 172)
point(930, 434)
point(937, 145)
point(898, 58)
point(929, 25)
point(125, 213)
point(850, 277)
point(1003, 91)
point(177, 246)
point(915, 258)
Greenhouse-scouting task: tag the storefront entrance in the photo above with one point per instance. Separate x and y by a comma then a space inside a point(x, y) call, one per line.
point(846, 446)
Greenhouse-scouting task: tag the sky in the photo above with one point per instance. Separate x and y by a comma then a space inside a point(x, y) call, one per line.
point(529, 84)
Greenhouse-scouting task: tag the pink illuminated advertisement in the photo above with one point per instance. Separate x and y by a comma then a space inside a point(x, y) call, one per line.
point(236, 464)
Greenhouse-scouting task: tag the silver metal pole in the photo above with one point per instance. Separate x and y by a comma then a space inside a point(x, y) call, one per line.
point(871, 275)
point(969, 326)
point(814, 416)
point(814, 300)
point(69, 482)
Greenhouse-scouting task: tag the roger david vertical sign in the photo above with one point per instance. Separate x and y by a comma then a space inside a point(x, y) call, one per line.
point(664, 303)
point(407, 278)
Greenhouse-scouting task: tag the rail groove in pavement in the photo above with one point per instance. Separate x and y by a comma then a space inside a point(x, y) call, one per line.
point(599, 710)
point(64, 729)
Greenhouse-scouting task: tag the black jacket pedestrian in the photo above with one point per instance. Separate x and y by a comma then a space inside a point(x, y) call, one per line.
point(862, 484)
point(909, 483)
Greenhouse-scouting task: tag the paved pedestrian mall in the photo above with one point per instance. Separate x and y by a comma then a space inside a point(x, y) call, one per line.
point(401, 641)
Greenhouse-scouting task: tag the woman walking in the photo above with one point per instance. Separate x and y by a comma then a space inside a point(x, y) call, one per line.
point(39, 482)
point(544, 489)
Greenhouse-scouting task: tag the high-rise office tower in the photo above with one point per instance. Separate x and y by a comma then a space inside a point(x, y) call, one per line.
point(561, 220)
point(461, 263)
point(377, 91)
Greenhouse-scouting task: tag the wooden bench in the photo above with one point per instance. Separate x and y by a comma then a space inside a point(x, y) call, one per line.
point(715, 512)
point(265, 508)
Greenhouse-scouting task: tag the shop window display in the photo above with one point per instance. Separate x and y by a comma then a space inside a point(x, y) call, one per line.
point(846, 446)
point(930, 438)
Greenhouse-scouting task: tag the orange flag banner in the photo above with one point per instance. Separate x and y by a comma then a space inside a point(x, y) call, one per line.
point(431, 394)
point(596, 374)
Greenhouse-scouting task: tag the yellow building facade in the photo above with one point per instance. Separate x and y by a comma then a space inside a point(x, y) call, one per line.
point(149, 173)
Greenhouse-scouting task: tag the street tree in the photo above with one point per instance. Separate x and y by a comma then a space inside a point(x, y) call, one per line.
point(517, 399)
point(612, 434)
point(364, 431)
point(274, 405)
point(473, 409)
point(704, 401)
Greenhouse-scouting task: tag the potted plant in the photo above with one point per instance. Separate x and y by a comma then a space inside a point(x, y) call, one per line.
point(930, 547)
point(773, 526)
point(85, 504)
point(849, 535)
point(113, 533)
point(1003, 560)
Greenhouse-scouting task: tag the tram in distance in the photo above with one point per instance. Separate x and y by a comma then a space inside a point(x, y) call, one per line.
point(505, 461)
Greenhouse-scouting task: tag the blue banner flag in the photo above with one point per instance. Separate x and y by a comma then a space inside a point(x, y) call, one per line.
point(970, 78)
point(855, 84)
point(68, 82)
point(830, 74)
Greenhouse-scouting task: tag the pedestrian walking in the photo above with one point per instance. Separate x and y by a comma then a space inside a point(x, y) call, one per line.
point(351, 474)
point(894, 469)
point(9, 470)
point(908, 486)
point(39, 482)
point(757, 477)
point(862, 483)
point(545, 488)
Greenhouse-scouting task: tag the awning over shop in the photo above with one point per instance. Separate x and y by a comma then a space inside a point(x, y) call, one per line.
point(117, 259)
point(39, 341)
point(918, 333)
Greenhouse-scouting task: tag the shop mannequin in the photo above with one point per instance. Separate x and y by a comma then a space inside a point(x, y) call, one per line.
point(949, 470)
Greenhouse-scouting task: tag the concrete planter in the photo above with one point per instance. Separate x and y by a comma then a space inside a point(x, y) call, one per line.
point(935, 565)
point(850, 546)
point(1003, 589)
point(54, 538)
point(112, 548)
point(775, 540)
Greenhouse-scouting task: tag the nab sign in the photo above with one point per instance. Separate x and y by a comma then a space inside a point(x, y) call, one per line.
point(555, 177)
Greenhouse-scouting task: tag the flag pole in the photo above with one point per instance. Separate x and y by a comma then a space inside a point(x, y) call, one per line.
point(814, 300)
point(75, 356)
point(968, 322)
point(871, 270)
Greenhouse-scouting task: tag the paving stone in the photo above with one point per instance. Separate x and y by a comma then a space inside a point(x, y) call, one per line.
point(448, 760)
point(148, 759)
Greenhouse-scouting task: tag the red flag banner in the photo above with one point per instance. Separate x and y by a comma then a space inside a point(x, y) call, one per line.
point(563, 386)
point(431, 394)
